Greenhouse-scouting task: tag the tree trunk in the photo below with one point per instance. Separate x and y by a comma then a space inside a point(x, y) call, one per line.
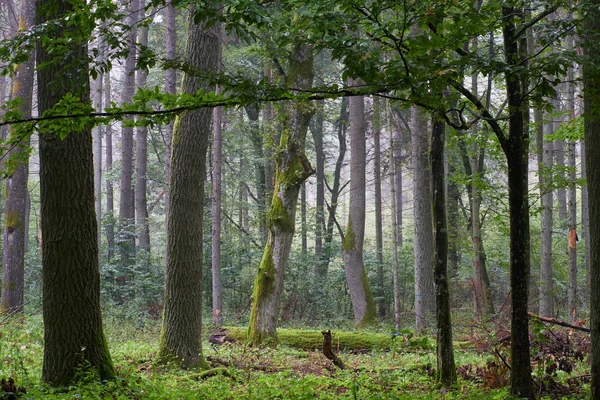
point(363, 303)
point(572, 195)
point(585, 216)
point(317, 134)
point(110, 205)
point(141, 154)
point(446, 369)
point(396, 227)
point(545, 162)
point(303, 226)
point(217, 303)
point(292, 170)
point(97, 132)
point(73, 335)
point(170, 84)
point(559, 160)
point(516, 149)
point(378, 214)
point(15, 210)
point(591, 93)
point(126, 242)
point(259, 167)
point(423, 248)
point(182, 318)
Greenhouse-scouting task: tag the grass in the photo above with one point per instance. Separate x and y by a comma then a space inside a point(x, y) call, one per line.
point(259, 373)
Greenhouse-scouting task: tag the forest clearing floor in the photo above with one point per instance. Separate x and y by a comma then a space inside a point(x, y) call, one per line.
point(242, 372)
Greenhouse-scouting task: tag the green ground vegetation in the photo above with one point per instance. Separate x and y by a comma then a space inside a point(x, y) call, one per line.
point(401, 369)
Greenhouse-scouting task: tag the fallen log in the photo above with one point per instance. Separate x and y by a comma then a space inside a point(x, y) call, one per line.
point(555, 321)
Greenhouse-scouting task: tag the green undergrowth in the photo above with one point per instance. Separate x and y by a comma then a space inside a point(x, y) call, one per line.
point(241, 372)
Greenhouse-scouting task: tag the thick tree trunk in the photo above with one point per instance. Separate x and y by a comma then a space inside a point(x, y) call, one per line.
point(182, 318)
point(363, 303)
point(141, 154)
point(73, 335)
point(591, 93)
point(292, 170)
point(15, 211)
point(423, 249)
point(446, 369)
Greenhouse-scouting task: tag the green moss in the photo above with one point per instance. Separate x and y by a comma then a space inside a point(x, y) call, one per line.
point(14, 220)
point(278, 215)
point(349, 238)
point(370, 317)
point(309, 339)
point(263, 285)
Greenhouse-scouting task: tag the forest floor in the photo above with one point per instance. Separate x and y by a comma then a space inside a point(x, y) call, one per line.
point(241, 372)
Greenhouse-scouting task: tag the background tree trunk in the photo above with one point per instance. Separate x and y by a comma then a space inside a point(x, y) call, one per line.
point(73, 335)
point(363, 303)
point(170, 84)
point(110, 205)
point(446, 369)
point(182, 318)
point(545, 162)
point(217, 302)
point(292, 170)
point(378, 214)
point(15, 211)
point(423, 248)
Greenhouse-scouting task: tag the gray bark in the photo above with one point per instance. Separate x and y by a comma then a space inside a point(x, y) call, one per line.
point(545, 151)
point(182, 319)
point(381, 311)
point(217, 303)
point(423, 248)
point(170, 83)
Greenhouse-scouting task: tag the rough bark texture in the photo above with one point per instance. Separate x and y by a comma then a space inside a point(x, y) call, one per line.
point(182, 318)
point(516, 148)
point(591, 74)
point(545, 163)
point(446, 369)
point(423, 249)
point(141, 154)
point(292, 170)
point(363, 303)
point(15, 210)
point(73, 335)
point(395, 169)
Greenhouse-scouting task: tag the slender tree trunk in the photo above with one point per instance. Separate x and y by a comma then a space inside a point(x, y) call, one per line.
point(572, 195)
point(15, 211)
point(170, 84)
point(217, 304)
point(423, 249)
point(396, 228)
point(73, 334)
point(516, 148)
point(446, 369)
point(363, 303)
point(591, 93)
point(292, 170)
point(303, 226)
point(141, 154)
point(217, 289)
point(559, 160)
point(253, 112)
point(110, 207)
point(378, 214)
point(317, 134)
point(545, 162)
point(585, 216)
point(182, 318)
point(126, 240)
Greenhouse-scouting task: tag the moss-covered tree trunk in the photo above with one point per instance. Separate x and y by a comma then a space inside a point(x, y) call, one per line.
point(73, 336)
point(446, 368)
point(363, 302)
point(292, 170)
point(591, 73)
point(182, 319)
point(15, 211)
